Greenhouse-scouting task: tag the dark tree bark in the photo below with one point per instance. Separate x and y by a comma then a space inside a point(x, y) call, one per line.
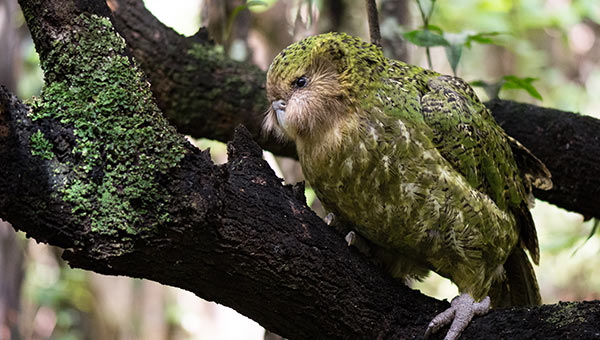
point(230, 233)
point(373, 17)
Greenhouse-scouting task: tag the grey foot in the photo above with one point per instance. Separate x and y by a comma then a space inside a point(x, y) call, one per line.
point(462, 309)
point(354, 240)
point(330, 220)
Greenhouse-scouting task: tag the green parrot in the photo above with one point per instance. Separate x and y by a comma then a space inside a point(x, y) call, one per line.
point(416, 164)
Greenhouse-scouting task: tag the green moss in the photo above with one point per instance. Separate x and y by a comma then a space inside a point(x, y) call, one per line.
point(566, 314)
point(123, 144)
point(40, 146)
point(209, 55)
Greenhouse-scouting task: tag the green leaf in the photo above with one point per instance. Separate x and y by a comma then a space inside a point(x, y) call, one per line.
point(453, 53)
point(466, 38)
point(435, 29)
point(481, 38)
point(425, 38)
point(479, 83)
point(456, 42)
point(514, 82)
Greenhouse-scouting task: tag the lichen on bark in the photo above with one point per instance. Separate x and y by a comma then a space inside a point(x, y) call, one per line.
point(122, 144)
point(40, 146)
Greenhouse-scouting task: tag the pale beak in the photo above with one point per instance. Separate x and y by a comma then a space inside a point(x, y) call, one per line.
point(279, 108)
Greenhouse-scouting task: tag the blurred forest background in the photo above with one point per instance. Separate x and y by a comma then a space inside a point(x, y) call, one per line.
point(554, 42)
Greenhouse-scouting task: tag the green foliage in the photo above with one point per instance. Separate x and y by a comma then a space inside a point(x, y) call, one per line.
point(455, 42)
point(31, 75)
point(514, 82)
point(481, 38)
point(40, 146)
point(426, 37)
point(310, 195)
point(56, 290)
point(509, 82)
point(431, 36)
point(454, 53)
point(425, 16)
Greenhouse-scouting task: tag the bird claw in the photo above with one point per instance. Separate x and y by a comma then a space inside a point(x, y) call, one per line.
point(354, 240)
point(330, 220)
point(351, 238)
point(462, 309)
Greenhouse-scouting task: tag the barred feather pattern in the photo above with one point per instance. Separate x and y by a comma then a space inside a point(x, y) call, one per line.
point(411, 158)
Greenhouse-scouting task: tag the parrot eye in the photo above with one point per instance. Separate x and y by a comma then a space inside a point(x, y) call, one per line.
point(300, 82)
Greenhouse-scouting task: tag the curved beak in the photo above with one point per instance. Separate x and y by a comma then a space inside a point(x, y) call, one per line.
point(279, 108)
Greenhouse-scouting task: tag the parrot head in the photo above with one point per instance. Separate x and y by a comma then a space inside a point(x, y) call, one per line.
point(311, 85)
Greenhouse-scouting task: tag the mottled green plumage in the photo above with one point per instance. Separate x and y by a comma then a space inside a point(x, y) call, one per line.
point(411, 159)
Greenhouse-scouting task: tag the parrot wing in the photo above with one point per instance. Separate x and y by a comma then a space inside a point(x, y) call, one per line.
point(467, 136)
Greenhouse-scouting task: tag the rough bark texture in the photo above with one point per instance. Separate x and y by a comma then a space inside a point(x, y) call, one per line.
point(373, 17)
point(235, 236)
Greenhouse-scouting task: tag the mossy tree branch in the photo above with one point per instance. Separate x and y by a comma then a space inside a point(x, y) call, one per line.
point(93, 168)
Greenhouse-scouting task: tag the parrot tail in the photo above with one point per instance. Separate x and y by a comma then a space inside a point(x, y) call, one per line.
point(519, 287)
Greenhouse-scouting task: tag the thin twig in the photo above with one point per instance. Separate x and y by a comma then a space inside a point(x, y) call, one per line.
point(373, 22)
point(425, 18)
point(423, 15)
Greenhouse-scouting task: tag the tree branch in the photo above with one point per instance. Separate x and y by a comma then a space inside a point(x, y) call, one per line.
point(229, 233)
point(240, 238)
point(373, 18)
